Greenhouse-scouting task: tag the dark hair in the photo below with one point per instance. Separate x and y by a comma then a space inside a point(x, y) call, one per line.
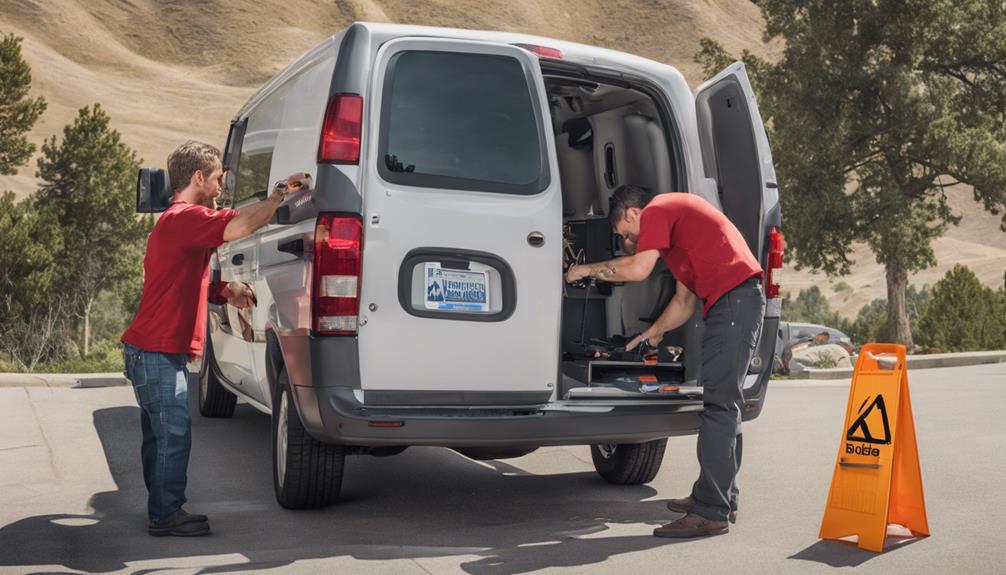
point(625, 197)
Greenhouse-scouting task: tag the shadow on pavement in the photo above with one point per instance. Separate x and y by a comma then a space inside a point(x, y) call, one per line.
point(847, 554)
point(425, 502)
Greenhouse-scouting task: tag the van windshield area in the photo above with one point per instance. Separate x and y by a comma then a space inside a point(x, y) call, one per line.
point(461, 121)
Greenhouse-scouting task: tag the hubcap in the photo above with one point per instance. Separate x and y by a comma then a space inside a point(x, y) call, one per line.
point(281, 438)
point(607, 450)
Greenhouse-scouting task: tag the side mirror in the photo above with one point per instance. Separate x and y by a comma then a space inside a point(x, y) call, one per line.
point(153, 194)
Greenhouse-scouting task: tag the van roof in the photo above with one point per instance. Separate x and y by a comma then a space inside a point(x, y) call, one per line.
point(382, 32)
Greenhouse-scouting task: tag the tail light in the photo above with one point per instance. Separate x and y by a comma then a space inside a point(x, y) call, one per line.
point(340, 133)
point(542, 51)
point(776, 247)
point(338, 242)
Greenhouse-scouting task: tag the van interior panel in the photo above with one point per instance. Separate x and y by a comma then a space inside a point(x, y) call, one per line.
point(607, 136)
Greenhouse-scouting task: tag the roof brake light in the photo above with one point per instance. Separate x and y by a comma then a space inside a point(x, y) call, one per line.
point(542, 51)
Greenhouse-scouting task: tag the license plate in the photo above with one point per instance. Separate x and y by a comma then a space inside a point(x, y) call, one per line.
point(456, 290)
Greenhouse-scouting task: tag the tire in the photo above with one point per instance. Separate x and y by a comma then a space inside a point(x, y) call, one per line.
point(306, 473)
point(629, 463)
point(214, 399)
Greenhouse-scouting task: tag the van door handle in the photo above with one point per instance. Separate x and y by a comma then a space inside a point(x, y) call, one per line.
point(238, 259)
point(292, 247)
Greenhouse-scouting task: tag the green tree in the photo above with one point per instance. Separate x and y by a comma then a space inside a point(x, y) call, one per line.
point(876, 107)
point(18, 112)
point(87, 181)
point(871, 323)
point(963, 314)
point(811, 306)
point(32, 318)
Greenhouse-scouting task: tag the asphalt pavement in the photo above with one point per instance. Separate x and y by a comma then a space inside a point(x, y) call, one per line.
point(72, 498)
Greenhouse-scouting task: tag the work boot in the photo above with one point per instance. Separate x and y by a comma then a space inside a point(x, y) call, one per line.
point(184, 524)
point(692, 525)
point(685, 505)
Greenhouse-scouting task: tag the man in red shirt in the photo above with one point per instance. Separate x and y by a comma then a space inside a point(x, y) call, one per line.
point(170, 325)
point(713, 264)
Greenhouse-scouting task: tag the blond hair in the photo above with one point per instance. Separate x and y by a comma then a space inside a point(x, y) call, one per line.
point(187, 159)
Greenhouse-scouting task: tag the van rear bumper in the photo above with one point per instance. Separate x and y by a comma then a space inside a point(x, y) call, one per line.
point(333, 415)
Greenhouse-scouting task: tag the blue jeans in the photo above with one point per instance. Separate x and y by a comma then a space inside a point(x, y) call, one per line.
point(160, 382)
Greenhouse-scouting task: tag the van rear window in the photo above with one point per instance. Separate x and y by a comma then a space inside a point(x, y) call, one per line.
point(461, 121)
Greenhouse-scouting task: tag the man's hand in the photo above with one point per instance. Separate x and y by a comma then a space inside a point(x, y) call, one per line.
point(652, 336)
point(239, 295)
point(254, 216)
point(290, 184)
point(577, 273)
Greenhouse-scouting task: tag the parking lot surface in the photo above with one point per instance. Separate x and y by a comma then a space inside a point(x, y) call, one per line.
point(72, 497)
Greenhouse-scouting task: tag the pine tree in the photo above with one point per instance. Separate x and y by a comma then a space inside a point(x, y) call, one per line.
point(18, 112)
point(87, 183)
point(963, 314)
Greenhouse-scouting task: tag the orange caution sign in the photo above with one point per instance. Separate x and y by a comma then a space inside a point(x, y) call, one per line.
point(877, 480)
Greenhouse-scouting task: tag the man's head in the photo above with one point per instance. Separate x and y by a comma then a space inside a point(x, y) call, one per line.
point(624, 208)
point(196, 173)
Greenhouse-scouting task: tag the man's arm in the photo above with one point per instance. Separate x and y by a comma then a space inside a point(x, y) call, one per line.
point(632, 268)
point(255, 216)
point(677, 312)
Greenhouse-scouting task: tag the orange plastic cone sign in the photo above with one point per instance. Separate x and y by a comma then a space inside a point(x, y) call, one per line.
point(877, 479)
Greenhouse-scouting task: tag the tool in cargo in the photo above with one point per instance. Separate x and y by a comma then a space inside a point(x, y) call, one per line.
point(877, 479)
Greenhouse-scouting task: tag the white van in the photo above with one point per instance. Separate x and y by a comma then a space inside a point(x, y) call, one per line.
point(414, 295)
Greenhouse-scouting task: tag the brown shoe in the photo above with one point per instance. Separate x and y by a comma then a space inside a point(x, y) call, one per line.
point(685, 505)
point(692, 525)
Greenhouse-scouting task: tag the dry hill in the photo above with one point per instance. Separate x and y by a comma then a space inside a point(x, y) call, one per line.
point(168, 70)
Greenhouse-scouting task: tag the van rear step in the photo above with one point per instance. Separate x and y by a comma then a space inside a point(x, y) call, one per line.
point(606, 391)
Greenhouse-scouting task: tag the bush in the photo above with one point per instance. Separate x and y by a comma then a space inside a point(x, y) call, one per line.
point(963, 314)
point(810, 306)
point(870, 325)
point(105, 356)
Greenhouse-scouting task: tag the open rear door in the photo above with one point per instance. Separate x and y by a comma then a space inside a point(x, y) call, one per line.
point(736, 154)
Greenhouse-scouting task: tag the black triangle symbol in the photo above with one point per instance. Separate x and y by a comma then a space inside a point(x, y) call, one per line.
point(859, 431)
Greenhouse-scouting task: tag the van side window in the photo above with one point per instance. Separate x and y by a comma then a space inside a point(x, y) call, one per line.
point(262, 128)
point(463, 122)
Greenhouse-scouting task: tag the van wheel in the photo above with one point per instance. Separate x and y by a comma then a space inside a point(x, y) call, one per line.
point(214, 399)
point(629, 463)
point(306, 472)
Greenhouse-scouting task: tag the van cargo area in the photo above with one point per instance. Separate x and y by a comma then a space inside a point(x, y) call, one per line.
point(610, 132)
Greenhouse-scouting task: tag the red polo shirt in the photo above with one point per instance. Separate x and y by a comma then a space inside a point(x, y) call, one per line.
point(703, 249)
point(176, 273)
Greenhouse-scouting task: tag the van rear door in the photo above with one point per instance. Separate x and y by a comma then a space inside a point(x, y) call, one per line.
point(461, 290)
point(736, 154)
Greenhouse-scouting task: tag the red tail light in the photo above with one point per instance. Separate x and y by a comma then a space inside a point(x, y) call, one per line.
point(542, 51)
point(340, 134)
point(338, 242)
point(776, 247)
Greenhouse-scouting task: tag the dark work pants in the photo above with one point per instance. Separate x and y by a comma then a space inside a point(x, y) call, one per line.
point(732, 330)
